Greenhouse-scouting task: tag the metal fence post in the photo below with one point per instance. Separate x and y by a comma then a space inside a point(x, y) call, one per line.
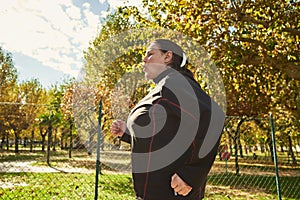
point(275, 157)
point(98, 169)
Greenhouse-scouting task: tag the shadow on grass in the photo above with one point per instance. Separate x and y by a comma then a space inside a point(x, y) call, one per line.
point(290, 187)
point(9, 156)
point(59, 169)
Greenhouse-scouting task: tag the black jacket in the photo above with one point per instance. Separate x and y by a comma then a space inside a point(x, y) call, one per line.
point(167, 129)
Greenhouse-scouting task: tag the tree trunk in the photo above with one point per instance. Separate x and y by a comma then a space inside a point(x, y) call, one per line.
point(269, 142)
point(2, 142)
point(91, 141)
point(71, 140)
point(7, 141)
point(291, 150)
point(43, 142)
point(49, 143)
point(281, 148)
point(62, 145)
point(240, 146)
point(25, 142)
point(262, 147)
point(43, 138)
point(54, 142)
point(16, 141)
point(237, 168)
point(236, 135)
point(31, 140)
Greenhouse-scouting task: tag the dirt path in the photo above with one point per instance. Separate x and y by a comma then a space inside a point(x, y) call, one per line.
point(28, 166)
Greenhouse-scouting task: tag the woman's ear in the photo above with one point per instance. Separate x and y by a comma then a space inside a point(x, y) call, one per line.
point(168, 56)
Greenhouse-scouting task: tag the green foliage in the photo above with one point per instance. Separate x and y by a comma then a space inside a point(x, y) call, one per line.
point(8, 85)
point(241, 32)
point(255, 45)
point(250, 42)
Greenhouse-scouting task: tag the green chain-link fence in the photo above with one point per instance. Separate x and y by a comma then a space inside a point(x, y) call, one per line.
point(244, 167)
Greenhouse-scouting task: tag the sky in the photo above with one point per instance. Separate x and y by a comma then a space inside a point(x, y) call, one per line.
point(47, 38)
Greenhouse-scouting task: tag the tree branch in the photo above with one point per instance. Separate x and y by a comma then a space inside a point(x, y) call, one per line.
point(292, 31)
point(291, 69)
point(257, 42)
point(247, 18)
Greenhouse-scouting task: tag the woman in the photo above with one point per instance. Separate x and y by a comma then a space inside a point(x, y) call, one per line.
point(166, 129)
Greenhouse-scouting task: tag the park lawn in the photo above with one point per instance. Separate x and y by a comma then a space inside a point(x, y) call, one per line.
point(64, 186)
point(256, 180)
point(246, 186)
point(74, 186)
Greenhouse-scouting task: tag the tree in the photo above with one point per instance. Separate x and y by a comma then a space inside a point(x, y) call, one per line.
point(255, 45)
point(50, 120)
point(8, 84)
point(244, 32)
point(34, 98)
point(67, 111)
point(107, 61)
point(55, 104)
point(249, 41)
point(8, 73)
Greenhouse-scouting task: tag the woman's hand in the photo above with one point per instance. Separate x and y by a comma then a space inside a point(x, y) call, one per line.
point(180, 187)
point(118, 127)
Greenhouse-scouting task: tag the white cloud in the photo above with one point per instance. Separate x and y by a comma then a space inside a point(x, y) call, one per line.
point(73, 13)
point(104, 14)
point(116, 3)
point(52, 32)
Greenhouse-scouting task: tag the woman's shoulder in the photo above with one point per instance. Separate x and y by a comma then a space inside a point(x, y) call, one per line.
point(177, 81)
point(173, 78)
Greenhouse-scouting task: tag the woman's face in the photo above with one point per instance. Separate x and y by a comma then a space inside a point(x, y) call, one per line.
point(155, 61)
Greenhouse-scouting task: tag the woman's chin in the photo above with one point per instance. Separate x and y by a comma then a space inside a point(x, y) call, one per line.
point(147, 76)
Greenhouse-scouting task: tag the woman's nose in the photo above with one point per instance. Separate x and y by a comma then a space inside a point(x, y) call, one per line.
point(144, 59)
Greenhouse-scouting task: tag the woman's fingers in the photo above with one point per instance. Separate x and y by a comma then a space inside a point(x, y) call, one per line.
point(179, 186)
point(118, 127)
point(183, 190)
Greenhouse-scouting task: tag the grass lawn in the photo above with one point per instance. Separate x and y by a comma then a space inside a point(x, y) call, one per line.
point(111, 187)
point(256, 180)
point(64, 186)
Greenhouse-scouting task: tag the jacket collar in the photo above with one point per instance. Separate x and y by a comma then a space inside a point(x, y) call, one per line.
point(162, 75)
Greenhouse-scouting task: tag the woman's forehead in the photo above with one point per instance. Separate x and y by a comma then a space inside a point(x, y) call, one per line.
point(152, 46)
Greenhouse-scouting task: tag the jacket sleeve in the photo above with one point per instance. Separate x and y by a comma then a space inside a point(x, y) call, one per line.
point(126, 137)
